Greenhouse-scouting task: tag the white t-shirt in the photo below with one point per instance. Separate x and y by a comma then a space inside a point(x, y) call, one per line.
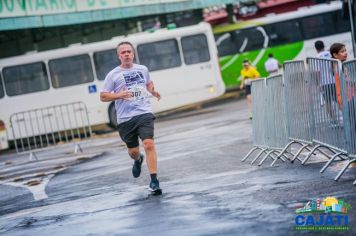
point(272, 66)
point(324, 54)
point(133, 79)
point(326, 69)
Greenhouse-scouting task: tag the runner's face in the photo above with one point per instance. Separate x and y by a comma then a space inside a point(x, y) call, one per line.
point(125, 54)
point(341, 55)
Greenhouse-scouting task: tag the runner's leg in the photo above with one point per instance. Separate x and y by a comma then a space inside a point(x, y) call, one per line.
point(151, 155)
point(134, 153)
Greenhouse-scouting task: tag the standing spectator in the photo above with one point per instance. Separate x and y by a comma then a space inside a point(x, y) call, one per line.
point(320, 49)
point(248, 73)
point(327, 82)
point(338, 51)
point(272, 65)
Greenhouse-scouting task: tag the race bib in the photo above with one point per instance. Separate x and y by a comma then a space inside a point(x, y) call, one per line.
point(247, 81)
point(138, 93)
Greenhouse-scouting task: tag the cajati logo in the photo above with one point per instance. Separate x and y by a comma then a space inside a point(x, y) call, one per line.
point(328, 214)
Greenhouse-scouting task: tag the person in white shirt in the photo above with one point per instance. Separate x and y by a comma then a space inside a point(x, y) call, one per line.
point(128, 85)
point(272, 65)
point(327, 82)
point(320, 49)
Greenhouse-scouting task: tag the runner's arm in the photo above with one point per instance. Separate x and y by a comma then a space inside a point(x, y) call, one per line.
point(151, 89)
point(108, 97)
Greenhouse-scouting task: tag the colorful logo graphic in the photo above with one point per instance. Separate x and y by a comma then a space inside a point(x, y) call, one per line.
point(329, 214)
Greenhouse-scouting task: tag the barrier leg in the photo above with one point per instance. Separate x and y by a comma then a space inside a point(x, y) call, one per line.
point(285, 149)
point(325, 154)
point(279, 156)
point(265, 157)
point(275, 160)
point(249, 153)
point(258, 155)
point(344, 169)
point(282, 159)
point(77, 148)
point(298, 153)
point(329, 162)
point(310, 153)
point(33, 156)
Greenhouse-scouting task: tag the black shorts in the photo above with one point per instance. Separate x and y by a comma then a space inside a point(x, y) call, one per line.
point(248, 89)
point(329, 92)
point(138, 126)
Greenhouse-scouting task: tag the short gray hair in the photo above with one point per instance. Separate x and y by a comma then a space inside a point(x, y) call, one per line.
point(124, 42)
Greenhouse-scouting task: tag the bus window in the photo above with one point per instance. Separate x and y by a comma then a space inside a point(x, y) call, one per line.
point(283, 32)
point(318, 26)
point(104, 62)
point(2, 94)
point(159, 55)
point(342, 24)
point(70, 71)
point(195, 49)
point(249, 39)
point(24, 79)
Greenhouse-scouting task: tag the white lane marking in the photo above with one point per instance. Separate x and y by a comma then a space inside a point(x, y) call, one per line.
point(38, 191)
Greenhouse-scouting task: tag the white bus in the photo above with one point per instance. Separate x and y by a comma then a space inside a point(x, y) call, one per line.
point(183, 63)
point(288, 36)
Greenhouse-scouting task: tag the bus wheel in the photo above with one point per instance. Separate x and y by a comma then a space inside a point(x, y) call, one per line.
point(112, 116)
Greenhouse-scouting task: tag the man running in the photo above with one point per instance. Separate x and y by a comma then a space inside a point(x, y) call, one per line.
point(248, 73)
point(127, 85)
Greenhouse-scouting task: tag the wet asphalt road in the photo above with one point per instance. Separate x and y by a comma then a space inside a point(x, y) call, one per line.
point(207, 189)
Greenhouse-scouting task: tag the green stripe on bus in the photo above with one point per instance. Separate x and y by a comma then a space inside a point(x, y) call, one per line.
point(227, 28)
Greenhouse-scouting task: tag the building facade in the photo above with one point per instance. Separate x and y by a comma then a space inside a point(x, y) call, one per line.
point(38, 25)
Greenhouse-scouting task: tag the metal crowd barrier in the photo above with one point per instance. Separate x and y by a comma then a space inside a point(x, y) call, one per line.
point(333, 120)
point(302, 92)
point(313, 106)
point(36, 129)
point(348, 97)
point(270, 130)
point(328, 131)
point(259, 134)
point(299, 117)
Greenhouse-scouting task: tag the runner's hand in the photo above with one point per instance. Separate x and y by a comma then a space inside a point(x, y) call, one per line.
point(156, 94)
point(126, 94)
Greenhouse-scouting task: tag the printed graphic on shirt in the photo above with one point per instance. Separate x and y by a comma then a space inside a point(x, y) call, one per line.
point(134, 77)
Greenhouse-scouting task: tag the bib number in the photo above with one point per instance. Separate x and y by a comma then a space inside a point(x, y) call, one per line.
point(138, 93)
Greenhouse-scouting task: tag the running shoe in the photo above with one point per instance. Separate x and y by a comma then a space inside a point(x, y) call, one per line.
point(136, 168)
point(154, 188)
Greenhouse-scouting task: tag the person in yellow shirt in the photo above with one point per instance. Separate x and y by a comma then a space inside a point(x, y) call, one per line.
point(248, 73)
